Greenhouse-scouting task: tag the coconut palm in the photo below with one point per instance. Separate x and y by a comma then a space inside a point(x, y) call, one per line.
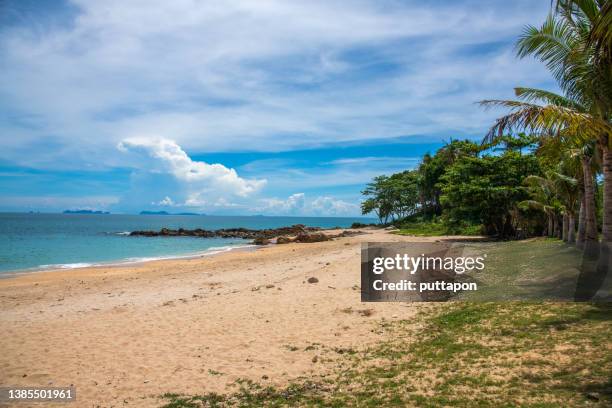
point(588, 227)
point(561, 143)
point(579, 160)
point(593, 19)
point(554, 193)
point(572, 44)
point(543, 198)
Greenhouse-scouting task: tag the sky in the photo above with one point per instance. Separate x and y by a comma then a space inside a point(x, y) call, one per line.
point(242, 107)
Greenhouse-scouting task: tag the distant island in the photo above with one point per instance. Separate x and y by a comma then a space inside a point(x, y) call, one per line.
point(166, 213)
point(85, 212)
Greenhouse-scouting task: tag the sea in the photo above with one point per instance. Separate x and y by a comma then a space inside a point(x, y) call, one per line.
point(37, 241)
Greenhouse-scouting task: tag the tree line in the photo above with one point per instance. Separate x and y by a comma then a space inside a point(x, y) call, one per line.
point(545, 167)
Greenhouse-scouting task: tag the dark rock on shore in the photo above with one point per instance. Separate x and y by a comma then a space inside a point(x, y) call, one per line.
point(283, 240)
point(261, 241)
point(244, 233)
point(312, 237)
point(283, 235)
point(356, 225)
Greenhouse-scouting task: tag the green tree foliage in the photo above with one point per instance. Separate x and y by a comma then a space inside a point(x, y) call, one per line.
point(486, 190)
point(516, 143)
point(392, 197)
point(549, 176)
point(461, 185)
point(432, 168)
point(416, 191)
point(575, 44)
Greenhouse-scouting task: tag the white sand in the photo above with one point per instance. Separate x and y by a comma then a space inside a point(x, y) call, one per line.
point(124, 334)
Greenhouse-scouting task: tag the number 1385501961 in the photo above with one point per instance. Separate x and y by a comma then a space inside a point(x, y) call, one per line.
point(32, 394)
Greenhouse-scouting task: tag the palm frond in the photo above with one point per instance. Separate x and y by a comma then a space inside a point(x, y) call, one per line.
point(563, 178)
point(551, 43)
point(536, 181)
point(535, 205)
point(551, 98)
point(579, 9)
point(601, 34)
point(551, 119)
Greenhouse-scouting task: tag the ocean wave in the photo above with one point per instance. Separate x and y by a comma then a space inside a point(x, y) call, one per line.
point(218, 250)
point(208, 252)
point(68, 265)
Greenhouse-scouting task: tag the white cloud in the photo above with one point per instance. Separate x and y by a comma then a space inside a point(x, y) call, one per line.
point(243, 75)
point(292, 205)
point(297, 204)
point(332, 206)
point(162, 167)
point(200, 177)
point(283, 175)
point(258, 75)
point(166, 202)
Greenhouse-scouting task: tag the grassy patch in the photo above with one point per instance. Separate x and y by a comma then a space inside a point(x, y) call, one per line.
point(461, 354)
point(435, 229)
point(534, 269)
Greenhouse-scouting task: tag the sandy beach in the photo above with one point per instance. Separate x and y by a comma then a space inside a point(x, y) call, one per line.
point(124, 335)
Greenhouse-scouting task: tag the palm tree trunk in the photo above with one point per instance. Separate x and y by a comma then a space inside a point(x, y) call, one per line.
point(604, 263)
point(607, 194)
point(571, 226)
point(565, 226)
point(581, 223)
point(551, 228)
point(589, 202)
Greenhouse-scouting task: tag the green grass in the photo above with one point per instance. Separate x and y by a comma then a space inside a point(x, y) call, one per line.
point(534, 269)
point(435, 229)
point(460, 354)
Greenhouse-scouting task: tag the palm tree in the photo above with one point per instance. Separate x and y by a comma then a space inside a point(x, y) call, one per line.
point(586, 155)
point(588, 62)
point(543, 198)
point(560, 142)
point(574, 45)
point(551, 190)
point(578, 160)
point(569, 191)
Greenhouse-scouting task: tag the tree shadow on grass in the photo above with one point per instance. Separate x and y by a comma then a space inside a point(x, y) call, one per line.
point(598, 392)
point(600, 312)
point(594, 274)
point(589, 375)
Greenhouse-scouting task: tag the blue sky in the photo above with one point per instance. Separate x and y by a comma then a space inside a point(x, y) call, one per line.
point(242, 107)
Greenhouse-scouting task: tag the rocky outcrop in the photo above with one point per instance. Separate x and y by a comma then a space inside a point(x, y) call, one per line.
point(261, 241)
point(347, 233)
point(283, 235)
point(312, 237)
point(244, 233)
point(284, 240)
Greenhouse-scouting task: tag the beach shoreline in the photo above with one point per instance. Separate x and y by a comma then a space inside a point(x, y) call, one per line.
point(213, 251)
point(190, 325)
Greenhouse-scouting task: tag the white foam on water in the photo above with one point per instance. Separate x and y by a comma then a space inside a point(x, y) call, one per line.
point(208, 252)
point(67, 266)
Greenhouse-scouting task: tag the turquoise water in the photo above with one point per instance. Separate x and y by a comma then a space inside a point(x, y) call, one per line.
point(39, 241)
